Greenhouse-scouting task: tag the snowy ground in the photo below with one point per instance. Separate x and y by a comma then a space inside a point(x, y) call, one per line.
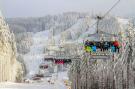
point(32, 60)
point(58, 84)
point(36, 55)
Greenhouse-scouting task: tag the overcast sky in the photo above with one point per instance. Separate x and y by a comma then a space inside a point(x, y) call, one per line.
point(27, 8)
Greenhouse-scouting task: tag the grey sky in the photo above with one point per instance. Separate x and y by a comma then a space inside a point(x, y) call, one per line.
point(27, 8)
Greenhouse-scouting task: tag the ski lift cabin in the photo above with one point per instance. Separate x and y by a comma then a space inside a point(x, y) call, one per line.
point(62, 59)
point(43, 66)
point(49, 58)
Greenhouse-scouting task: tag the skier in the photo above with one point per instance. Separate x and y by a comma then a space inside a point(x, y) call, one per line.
point(90, 49)
point(106, 46)
point(101, 46)
point(87, 43)
point(94, 48)
point(86, 46)
point(117, 45)
point(113, 49)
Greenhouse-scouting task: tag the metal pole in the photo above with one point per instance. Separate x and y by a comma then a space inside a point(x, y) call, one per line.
point(97, 26)
point(98, 19)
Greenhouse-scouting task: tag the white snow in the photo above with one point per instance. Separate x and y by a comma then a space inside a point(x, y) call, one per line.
point(44, 85)
point(58, 84)
point(32, 60)
point(35, 57)
point(123, 21)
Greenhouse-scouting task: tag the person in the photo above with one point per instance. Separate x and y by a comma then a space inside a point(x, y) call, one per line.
point(117, 45)
point(94, 48)
point(85, 48)
point(101, 46)
point(113, 49)
point(86, 43)
point(106, 46)
point(97, 44)
point(89, 49)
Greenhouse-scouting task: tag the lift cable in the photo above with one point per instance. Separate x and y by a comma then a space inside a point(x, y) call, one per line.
point(111, 8)
point(107, 12)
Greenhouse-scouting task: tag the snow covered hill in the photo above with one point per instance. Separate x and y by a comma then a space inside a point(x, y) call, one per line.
point(36, 55)
point(68, 27)
point(76, 33)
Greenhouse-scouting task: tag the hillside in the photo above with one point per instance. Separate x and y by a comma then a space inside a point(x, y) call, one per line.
point(34, 34)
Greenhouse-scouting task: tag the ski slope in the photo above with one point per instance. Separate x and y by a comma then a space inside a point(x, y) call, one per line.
point(35, 57)
point(32, 61)
point(58, 84)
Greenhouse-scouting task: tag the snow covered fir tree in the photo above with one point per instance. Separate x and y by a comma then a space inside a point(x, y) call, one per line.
point(10, 68)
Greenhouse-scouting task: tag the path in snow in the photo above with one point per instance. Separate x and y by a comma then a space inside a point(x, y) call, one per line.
point(35, 57)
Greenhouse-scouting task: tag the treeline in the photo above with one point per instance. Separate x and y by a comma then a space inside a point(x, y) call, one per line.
point(33, 24)
point(23, 28)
